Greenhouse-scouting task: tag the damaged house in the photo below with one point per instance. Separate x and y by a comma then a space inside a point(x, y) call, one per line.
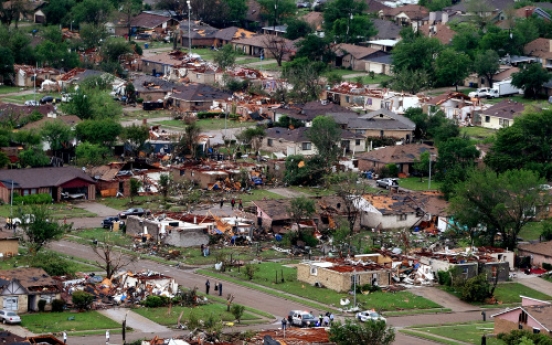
point(404, 156)
point(22, 288)
point(357, 96)
point(153, 282)
point(382, 123)
point(338, 274)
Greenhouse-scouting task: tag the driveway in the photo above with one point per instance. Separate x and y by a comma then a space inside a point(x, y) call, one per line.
point(442, 298)
point(535, 283)
point(100, 209)
point(134, 320)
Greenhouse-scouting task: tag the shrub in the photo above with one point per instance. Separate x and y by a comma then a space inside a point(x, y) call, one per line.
point(444, 278)
point(153, 302)
point(58, 305)
point(82, 300)
point(250, 271)
point(207, 115)
point(393, 170)
point(139, 100)
point(476, 289)
point(42, 198)
point(237, 310)
point(547, 266)
point(41, 305)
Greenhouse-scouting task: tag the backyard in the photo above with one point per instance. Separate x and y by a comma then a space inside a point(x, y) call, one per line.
point(478, 132)
point(416, 183)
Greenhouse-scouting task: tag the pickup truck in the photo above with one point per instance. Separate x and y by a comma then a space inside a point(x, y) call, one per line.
point(388, 183)
point(484, 92)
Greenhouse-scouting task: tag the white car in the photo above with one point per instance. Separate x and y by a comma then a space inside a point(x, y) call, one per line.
point(369, 315)
point(388, 183)
point(9, 316)
point(32, 103)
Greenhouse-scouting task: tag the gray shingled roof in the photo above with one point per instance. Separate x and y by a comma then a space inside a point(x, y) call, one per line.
point(43, 177)
point(198, 92)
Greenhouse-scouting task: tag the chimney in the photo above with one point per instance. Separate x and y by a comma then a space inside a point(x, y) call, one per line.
point(444, 17)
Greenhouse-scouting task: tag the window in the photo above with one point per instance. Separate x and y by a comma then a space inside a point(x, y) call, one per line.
point(503, 122)
point(357, 142)
point(487, 119)
point(306, 146)
point(198, 103)
point(313, 271)
point(382, 133)
point(347, 99)
point(33, 191)
point(401, 217)
point(25, 192)
point(523, 317)
point(270, 142)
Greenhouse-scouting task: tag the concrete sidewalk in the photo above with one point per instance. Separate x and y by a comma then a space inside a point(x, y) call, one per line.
point(134, 320)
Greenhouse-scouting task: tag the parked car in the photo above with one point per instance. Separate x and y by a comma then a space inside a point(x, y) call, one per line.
point(134, 212)
point(369, 315)
point(46, 99)
point(66, 98)
point(27, 218)
point(301, 318)
point(388, 183)
point(9, 316)
point(108, 222)
point(32, 102)
point(484, 92)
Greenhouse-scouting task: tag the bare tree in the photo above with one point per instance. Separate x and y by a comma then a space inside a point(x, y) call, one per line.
point(110, 260)
point(350, 195)
point(277, 47)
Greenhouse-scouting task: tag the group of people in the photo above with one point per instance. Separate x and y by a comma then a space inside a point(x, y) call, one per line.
point(218, 287)
point(325, 320)
point(232, 203)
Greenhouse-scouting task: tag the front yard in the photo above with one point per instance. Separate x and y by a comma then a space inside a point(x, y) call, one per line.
point(416, 183)
point(208, 124)
point(455, 334)
point(41, 323)
point(478, 132)
point(58, 211)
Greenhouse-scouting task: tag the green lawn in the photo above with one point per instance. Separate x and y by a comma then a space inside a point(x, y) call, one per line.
point(144, 114)
point(24, 259)
point(9, 89)
point(415, 183)
point(378, 79)
point(531, 231)
point(41, 323)
point(478, 132)
point(208, 124)
point(506, 293)
point(340, 72)
point(456, 334)
point(23, 98)
point(247, 60)
point(271, 67)
point(114, 237)
point(58, 211)
point(515, 98)
point(265, 275)
point(162, 317)
point(312, 191)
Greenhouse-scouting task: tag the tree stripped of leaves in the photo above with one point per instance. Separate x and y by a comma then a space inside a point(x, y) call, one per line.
point(110, 260)
point(301, 208)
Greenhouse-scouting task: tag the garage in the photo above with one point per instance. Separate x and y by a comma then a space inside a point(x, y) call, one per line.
point(10, 303)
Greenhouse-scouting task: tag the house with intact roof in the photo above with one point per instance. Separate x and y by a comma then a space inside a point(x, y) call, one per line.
point(382, 123)
point(533, 315)
point(22, 288)
point(408, 15)
point(353, 56)
point(53, 181)
point(197, 97)
point(542, 49)
point(539, 252)
point(500, 115)
point(150, 21)
point(404, 156)
point(310, 110)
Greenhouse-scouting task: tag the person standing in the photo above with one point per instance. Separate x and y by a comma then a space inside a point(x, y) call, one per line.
point(207, 286)
point(240, 205)
point(64, 337)
point(284, 323)
point(107, 337)
point(233, 203)
point(220, 289)
point(221, 202)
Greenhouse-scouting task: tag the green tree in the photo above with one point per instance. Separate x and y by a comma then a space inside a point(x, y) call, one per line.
point(4, 160)
point(134, 187)
point(451, 68)
point(416, 54)
point(476, 289)
point(346, 21)
point(100, 132)
point(302, 171)
point(304, 75)
point(435, 5)
point(33, 158)
point(92, 35)
point(90, 103)
point(114, 47)
point(315, 48)
point(237, 310)
point(531, 78)
point(136, 136)
point(524, 145)
point(91, 154)
point(6, 63)
point(412, 81)
point(41, 229)
point(56, 11)
point(422, 164)
point(466, 40)
point(325, 134)
point(57, 134)
point(226, 57)
point(354, 332)
point(189, 138)
point(276, 12)
point(297, 28)
point(487, 64)
point(91, 11)
point(502, 203)
point(164, 184)
point(420, 119)
point(456, 156)
point(251, 137)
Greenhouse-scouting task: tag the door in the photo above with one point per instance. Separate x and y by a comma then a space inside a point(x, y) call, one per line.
point(11, 303)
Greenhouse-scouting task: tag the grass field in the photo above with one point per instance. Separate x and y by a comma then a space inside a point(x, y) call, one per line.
point(531, 231)
point(414, 183)
point(208, 124)
point(114, 237)
point(163, 317)
point(23, 98)
point(478, 132)
point(24, 260)
point(515, 98)
point(9, 89)
point(506, 293)
point(41, 323)
point(339, 71)
point(455, 334)
point(265, 275)
point(378, 79)
point(144, 114)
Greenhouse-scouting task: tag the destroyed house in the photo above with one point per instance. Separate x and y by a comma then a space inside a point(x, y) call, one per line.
point(197, 97)
point(356, 95)
point(404, 156)
point(156, 283)
point(337, 274)
point(22, 288)
point(309, 111)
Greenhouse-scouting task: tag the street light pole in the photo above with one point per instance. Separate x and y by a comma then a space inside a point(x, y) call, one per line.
point(189, 27)
point(72, 25)
point(429, 181)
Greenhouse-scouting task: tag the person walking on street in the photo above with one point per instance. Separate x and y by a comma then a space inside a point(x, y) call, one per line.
point(207, 286)
point(284, 323)
point(221, 202)
point(220, 289)
point(64, 337)
point(233, 203)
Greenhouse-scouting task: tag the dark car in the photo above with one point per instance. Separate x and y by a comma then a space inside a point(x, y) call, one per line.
point(49, 99)
point(134, 212)
point(108, 222)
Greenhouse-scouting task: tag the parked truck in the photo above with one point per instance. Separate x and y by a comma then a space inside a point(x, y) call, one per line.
point(499, 89)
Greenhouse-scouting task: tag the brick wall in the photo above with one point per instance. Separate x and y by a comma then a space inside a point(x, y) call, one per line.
point(504, 326)
point(9, 246)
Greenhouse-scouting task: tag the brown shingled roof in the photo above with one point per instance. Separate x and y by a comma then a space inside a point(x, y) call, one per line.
point(33, 279)
point(505, 109)
point(442, 32)
point(539, 47)
point(43, 177)
point(358, 52)
point(148, 20)
point(397, 154)
point(542, 248)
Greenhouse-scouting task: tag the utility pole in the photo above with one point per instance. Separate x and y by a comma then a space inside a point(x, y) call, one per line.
point(189, 27)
